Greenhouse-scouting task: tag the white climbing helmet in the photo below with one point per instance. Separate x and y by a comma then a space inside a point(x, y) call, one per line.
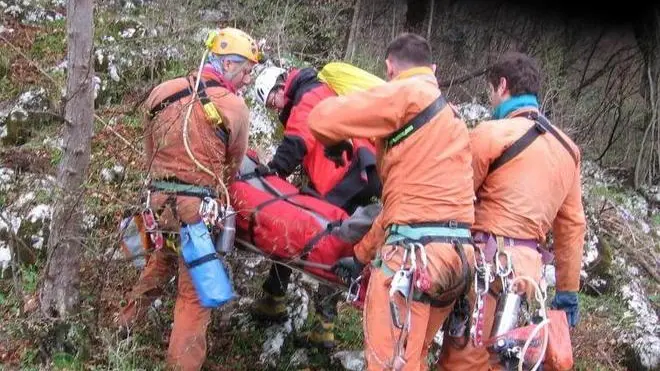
point(266, 81)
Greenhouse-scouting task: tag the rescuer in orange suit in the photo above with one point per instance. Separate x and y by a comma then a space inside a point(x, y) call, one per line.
point(220, 148)
point(520, 200)
point(424, 160)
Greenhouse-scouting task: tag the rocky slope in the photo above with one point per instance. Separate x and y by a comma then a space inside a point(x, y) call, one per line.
point(133, 50)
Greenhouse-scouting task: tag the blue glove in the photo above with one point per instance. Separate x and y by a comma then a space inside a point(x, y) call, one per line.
point(567, 301)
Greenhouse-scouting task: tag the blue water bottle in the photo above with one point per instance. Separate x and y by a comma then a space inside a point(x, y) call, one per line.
point(206, 271)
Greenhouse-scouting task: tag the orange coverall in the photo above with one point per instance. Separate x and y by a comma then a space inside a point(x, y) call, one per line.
point(166, 157)
point(538, 189)
point(426, 178)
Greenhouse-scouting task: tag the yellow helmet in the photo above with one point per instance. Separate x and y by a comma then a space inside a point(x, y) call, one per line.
point(233, 41)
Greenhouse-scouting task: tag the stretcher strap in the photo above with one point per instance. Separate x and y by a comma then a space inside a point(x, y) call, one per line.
point(199, 261)
point(309, 246)
point(253, 215)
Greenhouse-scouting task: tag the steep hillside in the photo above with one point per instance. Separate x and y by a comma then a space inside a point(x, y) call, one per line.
point(140, 43)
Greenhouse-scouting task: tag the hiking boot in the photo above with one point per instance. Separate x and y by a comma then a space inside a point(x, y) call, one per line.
point(270, 308)
point(322, 335)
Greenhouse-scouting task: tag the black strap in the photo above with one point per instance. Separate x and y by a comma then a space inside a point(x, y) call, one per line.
point(201, 260)
point(417, 122)
point(309, 246)
point(544, 121)
point(253, 215)
point(208, 192)
point(182, 94)
point(540, 127)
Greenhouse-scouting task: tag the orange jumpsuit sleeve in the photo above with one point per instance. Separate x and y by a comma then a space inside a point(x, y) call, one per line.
point(484, 151)
point(569, 228)
point(365, 250)
point(373, 113)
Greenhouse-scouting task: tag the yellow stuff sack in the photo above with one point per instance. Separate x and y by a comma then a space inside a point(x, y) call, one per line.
point(345, 78)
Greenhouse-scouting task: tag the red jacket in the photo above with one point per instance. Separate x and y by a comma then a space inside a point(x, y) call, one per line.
point(338, 185)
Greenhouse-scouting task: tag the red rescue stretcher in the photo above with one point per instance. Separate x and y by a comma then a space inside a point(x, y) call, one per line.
point(304, 232)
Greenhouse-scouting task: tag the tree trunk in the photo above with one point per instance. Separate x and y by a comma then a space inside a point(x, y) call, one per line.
point(647, 33)
point(352, 35)
point(60, 292)
point(430, 25)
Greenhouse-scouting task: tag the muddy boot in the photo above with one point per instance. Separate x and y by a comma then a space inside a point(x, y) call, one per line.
point(322, 335)
point(270, 308)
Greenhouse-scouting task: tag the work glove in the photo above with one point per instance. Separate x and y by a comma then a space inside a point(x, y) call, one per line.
point(336, 152)
point(348, 269)
point(568, 302)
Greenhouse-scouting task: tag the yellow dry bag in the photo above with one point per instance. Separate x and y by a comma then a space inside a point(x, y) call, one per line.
point(345, 78)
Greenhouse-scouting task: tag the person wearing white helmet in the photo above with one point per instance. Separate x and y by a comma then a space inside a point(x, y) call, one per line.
point(347, 182)
point(265, 83)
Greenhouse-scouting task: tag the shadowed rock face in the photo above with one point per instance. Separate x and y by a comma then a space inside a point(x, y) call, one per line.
point(19, 119)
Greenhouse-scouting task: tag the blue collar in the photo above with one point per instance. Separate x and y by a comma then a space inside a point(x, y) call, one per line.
point(519, 101)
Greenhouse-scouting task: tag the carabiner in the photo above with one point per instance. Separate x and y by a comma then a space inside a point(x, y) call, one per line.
point(503, 272)
point(147, 204)
point(413, 257)
point(405, 257)
point(422, 253)
point(354, 294)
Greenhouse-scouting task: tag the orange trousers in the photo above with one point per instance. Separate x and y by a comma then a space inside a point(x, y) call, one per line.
point(380, 335)
point(526, 262)
point(187, 347)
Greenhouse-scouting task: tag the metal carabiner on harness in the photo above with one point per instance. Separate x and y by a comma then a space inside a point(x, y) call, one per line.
point(354, 290)
point(503, 272)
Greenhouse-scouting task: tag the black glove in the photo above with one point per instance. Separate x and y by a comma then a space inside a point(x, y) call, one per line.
point(263, 170)
point(348, 269)
point(336, 152)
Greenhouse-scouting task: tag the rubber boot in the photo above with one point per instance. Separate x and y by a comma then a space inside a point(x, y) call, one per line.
point(321, 335)
point(270, 308)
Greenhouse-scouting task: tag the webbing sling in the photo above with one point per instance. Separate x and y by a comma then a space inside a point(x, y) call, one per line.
point(540, 127)
point(421, 119)
point(221, 131)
